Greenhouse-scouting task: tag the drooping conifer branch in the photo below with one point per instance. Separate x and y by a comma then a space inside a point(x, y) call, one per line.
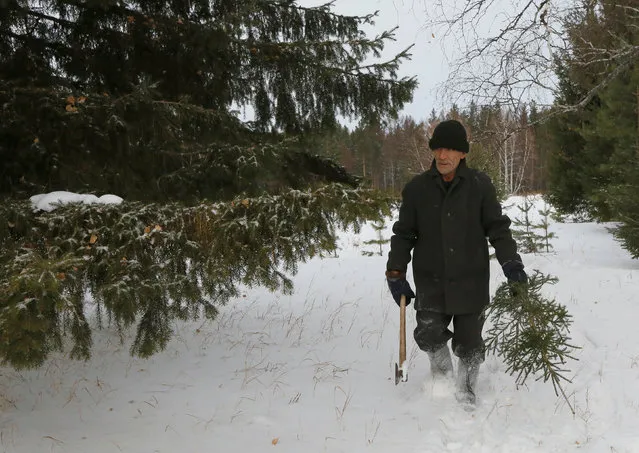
point(146, 264)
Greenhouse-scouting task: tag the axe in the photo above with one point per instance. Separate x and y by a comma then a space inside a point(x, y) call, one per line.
point(401, 374)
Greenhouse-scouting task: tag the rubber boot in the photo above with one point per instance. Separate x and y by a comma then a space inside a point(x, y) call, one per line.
point(467, 373)
point(441, 363)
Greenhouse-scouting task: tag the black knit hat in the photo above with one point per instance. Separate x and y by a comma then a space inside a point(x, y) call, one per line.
point(449, 134)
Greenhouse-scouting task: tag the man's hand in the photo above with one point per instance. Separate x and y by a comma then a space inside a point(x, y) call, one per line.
point(517, 278)
point(399, 286)
point(514, 272)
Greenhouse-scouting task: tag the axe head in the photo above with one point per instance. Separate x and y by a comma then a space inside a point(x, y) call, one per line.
point(400, 375)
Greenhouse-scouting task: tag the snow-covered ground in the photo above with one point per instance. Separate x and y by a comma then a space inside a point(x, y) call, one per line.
point(313, 372)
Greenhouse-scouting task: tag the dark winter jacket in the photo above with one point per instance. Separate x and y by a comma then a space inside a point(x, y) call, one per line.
point(446, 230)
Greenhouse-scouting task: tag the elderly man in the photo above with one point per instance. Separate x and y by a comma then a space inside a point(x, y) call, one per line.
point(445, 217)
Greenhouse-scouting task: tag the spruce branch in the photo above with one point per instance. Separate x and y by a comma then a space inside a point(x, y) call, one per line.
point(531, 333)
point(147, 264)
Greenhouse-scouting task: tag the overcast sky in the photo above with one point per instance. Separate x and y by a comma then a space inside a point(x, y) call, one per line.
point(428, 63)
point(435, 52)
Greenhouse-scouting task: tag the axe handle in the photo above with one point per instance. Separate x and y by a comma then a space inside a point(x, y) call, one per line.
point(402, 330)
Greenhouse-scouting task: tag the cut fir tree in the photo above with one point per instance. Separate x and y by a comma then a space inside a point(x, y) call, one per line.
point(531, 333)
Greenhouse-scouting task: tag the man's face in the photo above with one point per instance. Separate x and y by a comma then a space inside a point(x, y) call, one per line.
point(447, 160)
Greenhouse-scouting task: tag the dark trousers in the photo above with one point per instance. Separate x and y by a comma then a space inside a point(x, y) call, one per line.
point(432, 333)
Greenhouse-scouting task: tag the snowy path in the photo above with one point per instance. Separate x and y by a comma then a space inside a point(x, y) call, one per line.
point(313, 372)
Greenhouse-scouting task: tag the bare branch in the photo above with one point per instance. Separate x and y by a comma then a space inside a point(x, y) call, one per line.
point(509, 58)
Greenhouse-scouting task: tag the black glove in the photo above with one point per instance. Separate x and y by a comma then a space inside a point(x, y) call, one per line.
point(399, 286)
point(514, 272)
point(517, 278)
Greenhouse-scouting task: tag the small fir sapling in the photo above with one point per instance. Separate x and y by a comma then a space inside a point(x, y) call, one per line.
point(544, 225)
point(524, 232)
point(379, 241)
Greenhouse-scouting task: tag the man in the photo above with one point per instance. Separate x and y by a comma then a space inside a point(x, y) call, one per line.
point(445, 217)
